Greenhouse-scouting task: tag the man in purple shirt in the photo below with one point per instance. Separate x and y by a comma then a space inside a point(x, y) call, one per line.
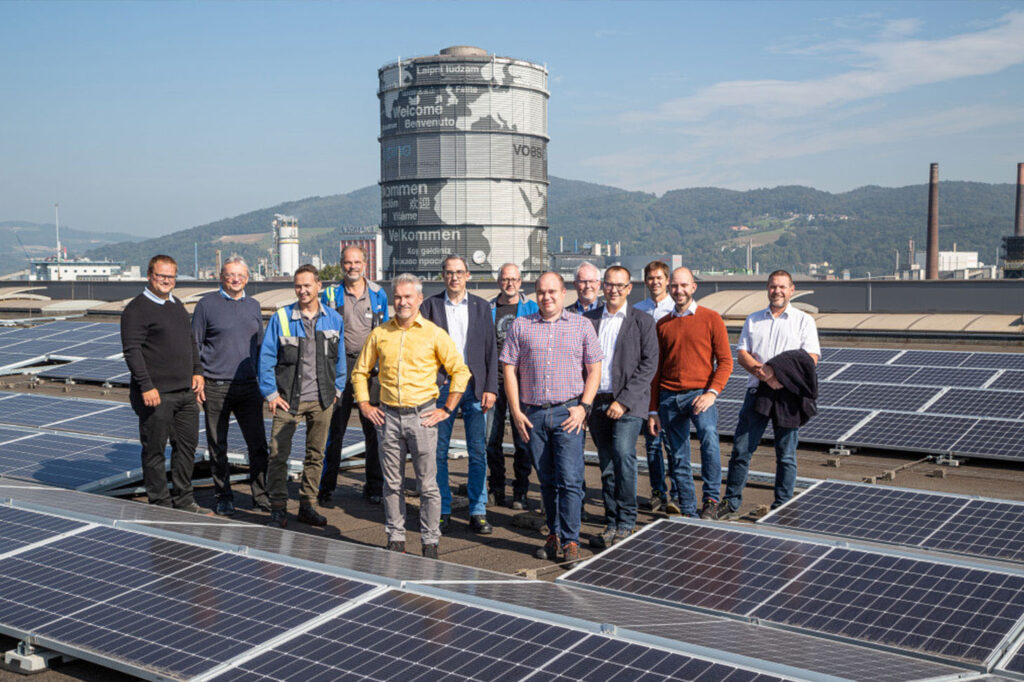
point(543, 360)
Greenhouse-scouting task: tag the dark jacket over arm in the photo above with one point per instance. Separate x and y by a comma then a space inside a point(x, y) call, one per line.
point(794, 404)
point(635, 360)
point(481, 342)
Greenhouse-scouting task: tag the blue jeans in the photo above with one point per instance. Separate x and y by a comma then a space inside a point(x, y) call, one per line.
point(655, 462)
point(675, 409)
point(473, 420)
point(749, 429)
point(558, 459)
point(616, 453)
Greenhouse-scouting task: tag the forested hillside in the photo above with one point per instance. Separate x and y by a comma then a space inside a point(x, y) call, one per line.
point(789, 226)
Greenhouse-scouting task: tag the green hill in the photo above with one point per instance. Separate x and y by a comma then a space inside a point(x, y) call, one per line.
point(790, 226)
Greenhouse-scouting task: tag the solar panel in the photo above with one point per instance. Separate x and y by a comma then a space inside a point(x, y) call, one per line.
point(35, 410)
point(91, 349)
point(944, 609)
point(980, 403)
point(995, 360)
point(992, 438)
point(825, 370)
point(119, 422)
point(831, 424)
point(106, 371)
point(401, 636)
point(11, 361)
point(988, 528)
point(875, 374)
point(931, 358)
point(169, 606)
point(950, 376)
point(69, 461)
point(1009, 380)
point(736, 387)
point(867, 512)
point(832, 392)
point(40, 346)
point(872, 356)
point(922, 432)
point(875, 396)
point(19, 528)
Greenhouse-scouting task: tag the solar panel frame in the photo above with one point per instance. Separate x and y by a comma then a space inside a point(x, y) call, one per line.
point(1009, 380)
point(893, 398)
point(911, 432)
point(113, 371)
point(870, 356)
point(956, 377)
point(931, 358)
point(995, 361)
point(980, 402)
point(992, 439)
point(875, 374)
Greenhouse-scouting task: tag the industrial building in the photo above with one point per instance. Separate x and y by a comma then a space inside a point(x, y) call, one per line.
point(286, 243)
point(463, 143)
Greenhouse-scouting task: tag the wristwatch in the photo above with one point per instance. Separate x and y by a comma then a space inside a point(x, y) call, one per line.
point(587, 407)
point(446, 410)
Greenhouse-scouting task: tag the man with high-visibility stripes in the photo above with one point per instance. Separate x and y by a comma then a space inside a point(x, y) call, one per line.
point(301, 374)
point(363, 305)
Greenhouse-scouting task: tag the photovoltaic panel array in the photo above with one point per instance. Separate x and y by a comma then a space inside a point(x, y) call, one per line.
point(958, 612)
point(62, 339)
point(939, 402)
point(952, 523)
point(114, 372)
point(19, 528)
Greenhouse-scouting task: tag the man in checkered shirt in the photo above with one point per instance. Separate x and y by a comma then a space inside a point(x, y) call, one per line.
point(544, 360)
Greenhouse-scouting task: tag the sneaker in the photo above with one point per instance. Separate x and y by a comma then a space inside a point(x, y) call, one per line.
point(225, 507)
point(550, 549)
point(671, 507)
point(604, 539)
point(478, 524)
point(397, 546)
point(311, 516)
point(519, 502)
point(429, 551)
point(278, 518)
point(726, 514)
point(710, 511)
point(325, 500)
point(657, 500)
point(444, 526)
point(621, 535)
point(572, 554)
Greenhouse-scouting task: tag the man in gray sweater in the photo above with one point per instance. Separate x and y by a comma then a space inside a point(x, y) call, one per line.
point(228, 328)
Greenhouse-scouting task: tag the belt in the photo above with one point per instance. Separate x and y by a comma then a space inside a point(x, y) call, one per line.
point(604, 398)
point(406, 410)
point(548, 406)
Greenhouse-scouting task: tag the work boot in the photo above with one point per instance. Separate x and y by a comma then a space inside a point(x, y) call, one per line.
point(430, 551)
point(311, 516)
point(550, 549)
point(278, 518)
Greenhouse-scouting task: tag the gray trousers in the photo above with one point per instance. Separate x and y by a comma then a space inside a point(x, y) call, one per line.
point(403, 435)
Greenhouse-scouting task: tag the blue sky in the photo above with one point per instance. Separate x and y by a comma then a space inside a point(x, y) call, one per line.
point(149, 117)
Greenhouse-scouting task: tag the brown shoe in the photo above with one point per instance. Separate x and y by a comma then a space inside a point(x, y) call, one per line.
point(311, 516)
point(572, 554)
point(550, 549)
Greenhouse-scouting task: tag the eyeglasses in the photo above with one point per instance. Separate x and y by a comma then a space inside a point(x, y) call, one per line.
point(454, 273)
point(614, 286)
point(509, 280)
point(588, 282)
point(170, 278)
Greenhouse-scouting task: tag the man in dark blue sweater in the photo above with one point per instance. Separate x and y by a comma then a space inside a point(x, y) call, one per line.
point(228, 328)
point(167, 380)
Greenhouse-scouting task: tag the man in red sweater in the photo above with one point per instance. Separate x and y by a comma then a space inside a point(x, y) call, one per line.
point(693, 365)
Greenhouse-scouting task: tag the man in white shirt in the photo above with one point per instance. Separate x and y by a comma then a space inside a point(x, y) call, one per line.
point(657, 305)
point(630, 349)
point(468, 320)
point(778, 328)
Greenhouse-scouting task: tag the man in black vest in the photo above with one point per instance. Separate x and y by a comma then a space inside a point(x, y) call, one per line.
point(167, 381)
point(467, 319)
point(630, 348)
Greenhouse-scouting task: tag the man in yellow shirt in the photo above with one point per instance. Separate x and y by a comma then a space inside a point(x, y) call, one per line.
point(410, 350)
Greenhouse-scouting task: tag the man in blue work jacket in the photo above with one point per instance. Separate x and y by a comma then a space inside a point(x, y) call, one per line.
point(301, 373)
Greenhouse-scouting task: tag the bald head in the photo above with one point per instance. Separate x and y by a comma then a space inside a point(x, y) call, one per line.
point(682, 287)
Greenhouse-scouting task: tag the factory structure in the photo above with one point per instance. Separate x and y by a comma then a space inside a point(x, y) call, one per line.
point(286, 244)
point(463, 159)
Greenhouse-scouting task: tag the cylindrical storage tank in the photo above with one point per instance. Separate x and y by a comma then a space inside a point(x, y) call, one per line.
point(463, 165)
point(286, 233)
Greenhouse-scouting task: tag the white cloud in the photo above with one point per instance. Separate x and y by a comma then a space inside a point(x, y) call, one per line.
point(887, 66)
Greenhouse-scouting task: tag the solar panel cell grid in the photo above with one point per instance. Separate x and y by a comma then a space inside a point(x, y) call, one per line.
point(875, 374)
point(873, 356)
point(995, 360)
point(991, 438)
point(831, 424)
point(984, 528)
point(950, 376)
point(1009, 380)
point(19, 527)
point(912, 431)
point(980, 403)
point(931, 358)
point(874, 397)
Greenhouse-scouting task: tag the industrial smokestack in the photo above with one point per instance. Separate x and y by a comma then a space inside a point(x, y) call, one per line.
point(1018, 221)
point(932, 267)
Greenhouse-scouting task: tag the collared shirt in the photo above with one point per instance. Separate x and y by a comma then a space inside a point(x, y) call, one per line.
point(358, 315)
point(156, 299)
point(611, 325)
point(579, 308)
point(658, 309)
point(308, 382)
point(409, 361)
point(764, 336)
point(227, 295)
point(457, 315)
point(690, 310)
point(550, 356)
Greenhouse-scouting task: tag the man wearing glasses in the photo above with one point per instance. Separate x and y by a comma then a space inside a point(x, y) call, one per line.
point(630, 348)
point(228, 327)
point(588, 288)
point(505, 308)
point(467, 319)
point(166, 383)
